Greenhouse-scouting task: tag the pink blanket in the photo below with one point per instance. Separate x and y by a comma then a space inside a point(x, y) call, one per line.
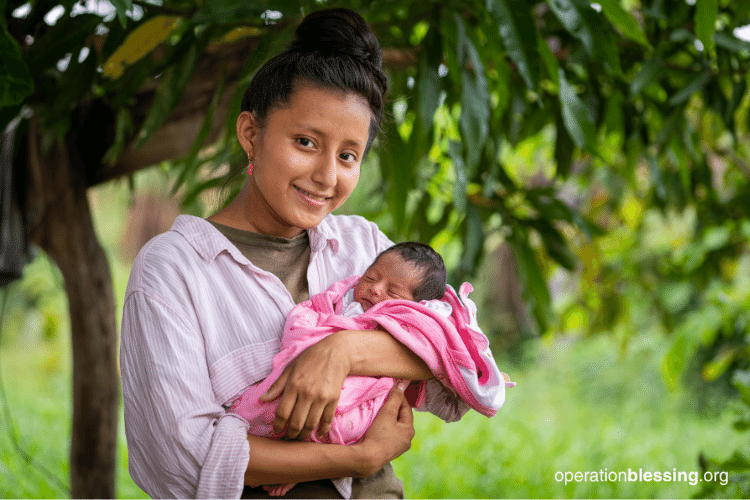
point(453, 348)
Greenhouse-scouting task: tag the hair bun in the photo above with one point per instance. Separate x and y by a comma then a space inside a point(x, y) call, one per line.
point(338, 31)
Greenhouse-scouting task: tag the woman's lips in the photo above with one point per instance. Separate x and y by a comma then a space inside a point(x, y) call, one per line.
point(313, 199)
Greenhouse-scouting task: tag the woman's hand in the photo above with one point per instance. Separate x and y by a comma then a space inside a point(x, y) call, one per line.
point(310, 388)
point(391, 432)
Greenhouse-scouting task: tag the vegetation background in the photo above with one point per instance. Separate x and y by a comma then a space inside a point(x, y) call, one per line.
point(597, 151)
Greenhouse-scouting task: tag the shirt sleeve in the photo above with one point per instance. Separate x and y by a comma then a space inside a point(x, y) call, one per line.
point(182, 443)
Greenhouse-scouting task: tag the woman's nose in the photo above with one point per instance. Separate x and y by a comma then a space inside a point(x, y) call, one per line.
point(325, 170)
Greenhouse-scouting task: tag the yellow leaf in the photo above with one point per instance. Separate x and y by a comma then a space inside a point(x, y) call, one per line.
point(139, 43)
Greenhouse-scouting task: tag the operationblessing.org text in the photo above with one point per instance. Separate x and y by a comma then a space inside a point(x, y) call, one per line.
point(673, 475)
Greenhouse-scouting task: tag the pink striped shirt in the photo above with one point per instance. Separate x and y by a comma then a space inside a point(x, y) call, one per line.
point(200, 324)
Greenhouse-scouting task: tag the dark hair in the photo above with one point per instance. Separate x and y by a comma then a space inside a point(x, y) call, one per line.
point(435, 277)
point(332, 48)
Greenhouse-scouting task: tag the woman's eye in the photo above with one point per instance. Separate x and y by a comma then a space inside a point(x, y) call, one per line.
point(305, 142)
point(348, 157)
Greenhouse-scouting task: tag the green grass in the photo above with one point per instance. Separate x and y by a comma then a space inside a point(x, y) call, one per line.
point(577, 407)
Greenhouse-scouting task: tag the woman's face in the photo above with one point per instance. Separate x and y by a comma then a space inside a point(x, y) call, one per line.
point(306, 159)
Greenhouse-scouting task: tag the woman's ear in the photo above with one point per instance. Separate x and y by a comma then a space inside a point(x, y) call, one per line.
point(248, 132)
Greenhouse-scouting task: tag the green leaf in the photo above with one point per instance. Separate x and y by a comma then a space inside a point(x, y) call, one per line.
point(122, 7)
point(741, 380)
point(519, 35)
point(530, 271)
point(691, 88)
point(15, 80)
point(396, 169)
point(473, 241)
point(427, 89)
point(173, 83)
point(651, 71)
point(455, 152)
point(564, 147)
point(629, 26)
point(730, 42)
point(191, 163)
point(576, 117)
point(229, 11)
point(550, 61)
point(584, 23)
point(674, 362)
point(66, 36)
point(706, 12)
point(475, 99)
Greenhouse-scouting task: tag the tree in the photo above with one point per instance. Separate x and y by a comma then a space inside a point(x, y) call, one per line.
point(645, 94)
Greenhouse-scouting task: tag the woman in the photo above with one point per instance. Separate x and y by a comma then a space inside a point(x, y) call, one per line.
point(206, 301)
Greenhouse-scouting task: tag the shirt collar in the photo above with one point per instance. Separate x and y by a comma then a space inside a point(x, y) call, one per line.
point(209, 242)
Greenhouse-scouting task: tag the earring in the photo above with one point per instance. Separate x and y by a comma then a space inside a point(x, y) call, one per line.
point(249, 165)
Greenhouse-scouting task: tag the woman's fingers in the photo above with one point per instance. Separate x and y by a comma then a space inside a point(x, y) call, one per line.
point(277, 388)
point(326, 419)
point(311, 423)
point(287, 404)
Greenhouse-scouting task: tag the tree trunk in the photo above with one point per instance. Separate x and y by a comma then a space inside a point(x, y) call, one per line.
point(63, 228)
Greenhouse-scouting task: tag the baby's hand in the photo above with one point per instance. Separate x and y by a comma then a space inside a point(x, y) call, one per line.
point(277, 490)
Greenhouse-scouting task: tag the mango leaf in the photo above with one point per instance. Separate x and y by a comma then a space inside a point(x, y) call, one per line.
point(396, 169)
point(741, 380)
point(229, 11)
point(475, 99)
point(576, 117)
point(122, 7)
point(674, 362)
point(173, 83)
point(519, 35)
point(719, 364)
point(138, 43)
point(66, 36)
point(706, 12)
point(554, 243)
point(550, 61)
point(730, 42)
point(191, 163)
point(16, 82)
point(455, 152)
point(618, 16)
point(427, 89)
point(473, 241)
point(589, 27)
point(564, 147)
point(651, 71)
point(531, 274)
point(691, 88)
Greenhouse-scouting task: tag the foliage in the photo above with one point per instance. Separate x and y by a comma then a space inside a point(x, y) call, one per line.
point(606, 142)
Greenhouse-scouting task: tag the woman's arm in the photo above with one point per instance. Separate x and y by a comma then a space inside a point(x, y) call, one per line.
point(274, 461)
point(311, 385)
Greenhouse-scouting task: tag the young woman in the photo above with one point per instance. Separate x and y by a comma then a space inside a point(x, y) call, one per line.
point(206, 301)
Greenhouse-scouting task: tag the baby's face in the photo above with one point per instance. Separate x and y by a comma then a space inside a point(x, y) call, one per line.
point(389, 277)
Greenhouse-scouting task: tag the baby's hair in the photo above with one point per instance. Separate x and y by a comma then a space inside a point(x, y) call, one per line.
point(427, 260)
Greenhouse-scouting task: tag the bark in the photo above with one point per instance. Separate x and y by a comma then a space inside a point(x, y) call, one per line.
point(63, 228)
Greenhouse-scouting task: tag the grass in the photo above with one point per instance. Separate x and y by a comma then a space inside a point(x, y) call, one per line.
point(577, 407)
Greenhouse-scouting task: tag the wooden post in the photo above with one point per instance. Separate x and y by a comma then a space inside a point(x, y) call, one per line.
point(63, 228)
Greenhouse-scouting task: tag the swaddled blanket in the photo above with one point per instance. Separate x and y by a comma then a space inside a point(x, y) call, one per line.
point(453, 348)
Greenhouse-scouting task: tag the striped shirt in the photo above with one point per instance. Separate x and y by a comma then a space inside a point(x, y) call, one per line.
point(200, 324)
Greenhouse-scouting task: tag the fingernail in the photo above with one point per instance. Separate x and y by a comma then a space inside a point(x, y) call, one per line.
point(403, 385)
